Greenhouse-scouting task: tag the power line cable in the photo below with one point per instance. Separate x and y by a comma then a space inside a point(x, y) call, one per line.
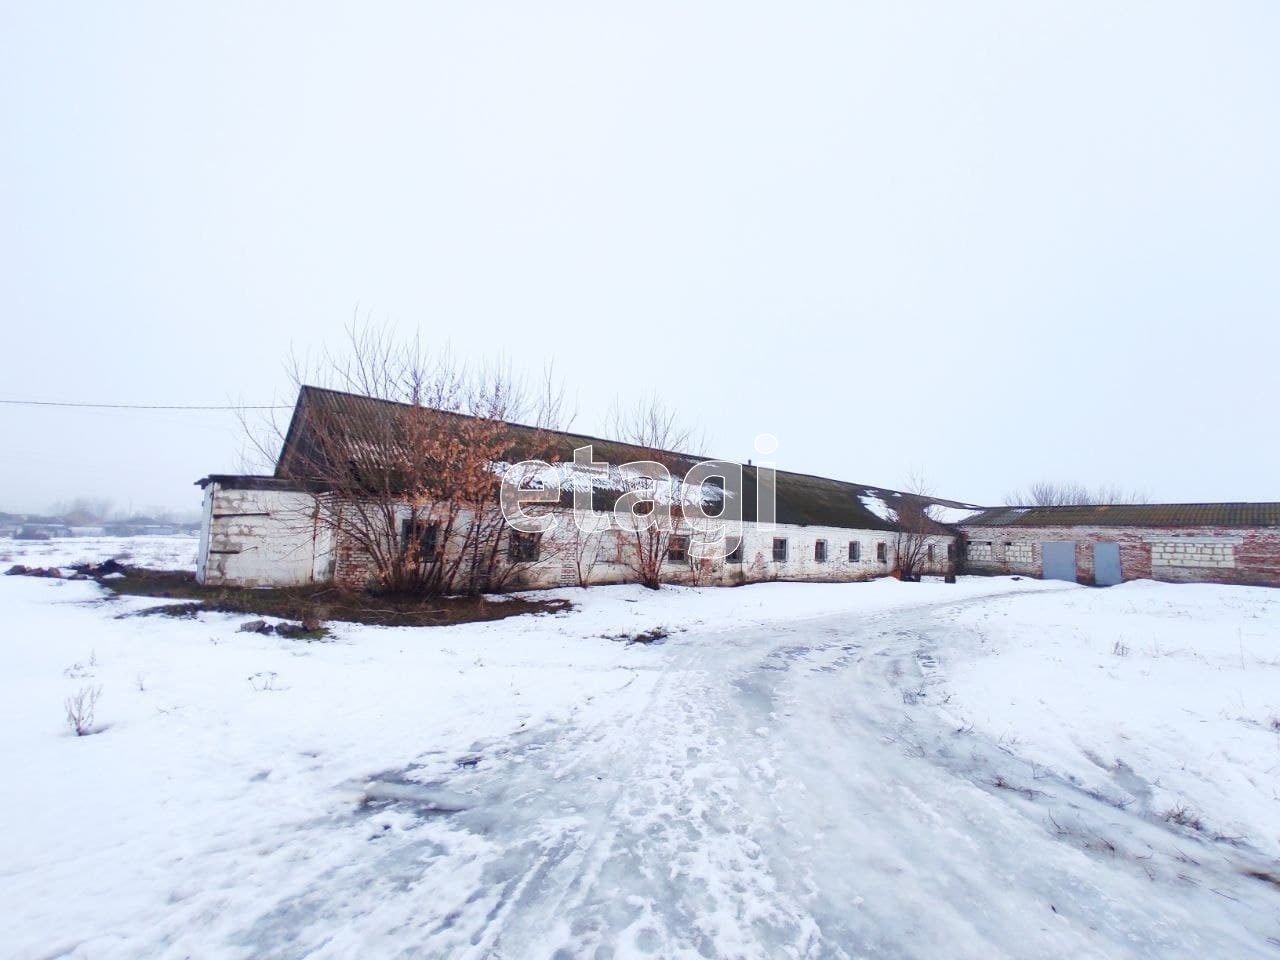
point(144, 406)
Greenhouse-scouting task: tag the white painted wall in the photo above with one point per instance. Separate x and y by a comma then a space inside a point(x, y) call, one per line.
point(801, 563)
point(261, 538)
point(757, 558)
point(273, 538)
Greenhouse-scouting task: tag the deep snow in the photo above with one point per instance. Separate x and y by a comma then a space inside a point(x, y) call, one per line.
point(800, 770)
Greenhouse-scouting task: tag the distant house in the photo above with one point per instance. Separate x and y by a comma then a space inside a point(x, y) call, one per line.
point(270, 531)
point(1107, 544)
point(41, 531)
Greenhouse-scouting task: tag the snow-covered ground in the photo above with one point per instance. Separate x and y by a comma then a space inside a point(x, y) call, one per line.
point(1166, 698)
point(799, 770)
point(158, 553)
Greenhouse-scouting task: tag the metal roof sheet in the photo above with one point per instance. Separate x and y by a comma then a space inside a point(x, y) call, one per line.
point(1132, 515)
point(802, 499)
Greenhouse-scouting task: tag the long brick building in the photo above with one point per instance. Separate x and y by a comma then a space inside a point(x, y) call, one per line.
point(271, 531)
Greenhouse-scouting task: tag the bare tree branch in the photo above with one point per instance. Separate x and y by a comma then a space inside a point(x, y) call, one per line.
point(1051, 493)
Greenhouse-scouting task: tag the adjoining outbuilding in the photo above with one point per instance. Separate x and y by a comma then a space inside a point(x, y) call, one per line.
point(1236, 543)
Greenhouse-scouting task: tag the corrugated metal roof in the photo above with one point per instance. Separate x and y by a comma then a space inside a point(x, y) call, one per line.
point(1133, 515)
point(802, 499)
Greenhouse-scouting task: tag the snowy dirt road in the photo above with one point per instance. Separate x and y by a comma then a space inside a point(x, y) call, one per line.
point(794, 791)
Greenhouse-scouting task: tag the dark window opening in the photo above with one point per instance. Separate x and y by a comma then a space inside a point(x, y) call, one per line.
point(820, 551)
point(928, 553)
point(735, 555)
point(422, 535)
point(855, 551)
point(678, 550)
point(882, 553)
point(779, 549)
point(523, 547)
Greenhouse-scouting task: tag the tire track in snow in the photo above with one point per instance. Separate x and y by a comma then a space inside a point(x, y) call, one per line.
point(778, 792)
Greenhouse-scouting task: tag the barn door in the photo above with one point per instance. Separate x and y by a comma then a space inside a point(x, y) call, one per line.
point(1106, 564)
point(1059, 558)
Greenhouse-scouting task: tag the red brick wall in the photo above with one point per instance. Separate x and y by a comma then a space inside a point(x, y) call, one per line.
point(352, 568)
point(1256, 552)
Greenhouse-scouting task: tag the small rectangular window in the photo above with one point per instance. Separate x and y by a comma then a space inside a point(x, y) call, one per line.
point(855, 551)
point(735, 555)
point(608, 547)
point(678, 550)
point(820, 551)
point(779, 549)
point(523, 547)
point(882, 553)
point(928, 553)
point(951, 551)
point(420, 535)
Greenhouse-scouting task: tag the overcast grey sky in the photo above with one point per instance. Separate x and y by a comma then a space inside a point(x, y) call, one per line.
point(999, 241)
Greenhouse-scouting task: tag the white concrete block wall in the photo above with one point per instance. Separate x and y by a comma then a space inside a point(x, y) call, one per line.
point(261, 538)
point(981, 551)
point(1019, 552)
point(1188, 552)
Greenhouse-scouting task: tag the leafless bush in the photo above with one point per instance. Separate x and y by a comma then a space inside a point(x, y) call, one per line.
point(658, 432)
point(80, 709)
point(1051, 493)
point(917, 538)
point(1120, 650)
point(1183, 817)
point(409, 483)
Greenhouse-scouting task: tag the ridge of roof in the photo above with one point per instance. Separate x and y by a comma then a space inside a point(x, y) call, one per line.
point(1191, 514)
point(803, 499)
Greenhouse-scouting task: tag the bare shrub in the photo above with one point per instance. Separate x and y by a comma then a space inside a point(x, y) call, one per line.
point(80, 710)
point(918, 546)
point(1183, 817)
point(1052, 493)
point(403, 461)
point(657, 431)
